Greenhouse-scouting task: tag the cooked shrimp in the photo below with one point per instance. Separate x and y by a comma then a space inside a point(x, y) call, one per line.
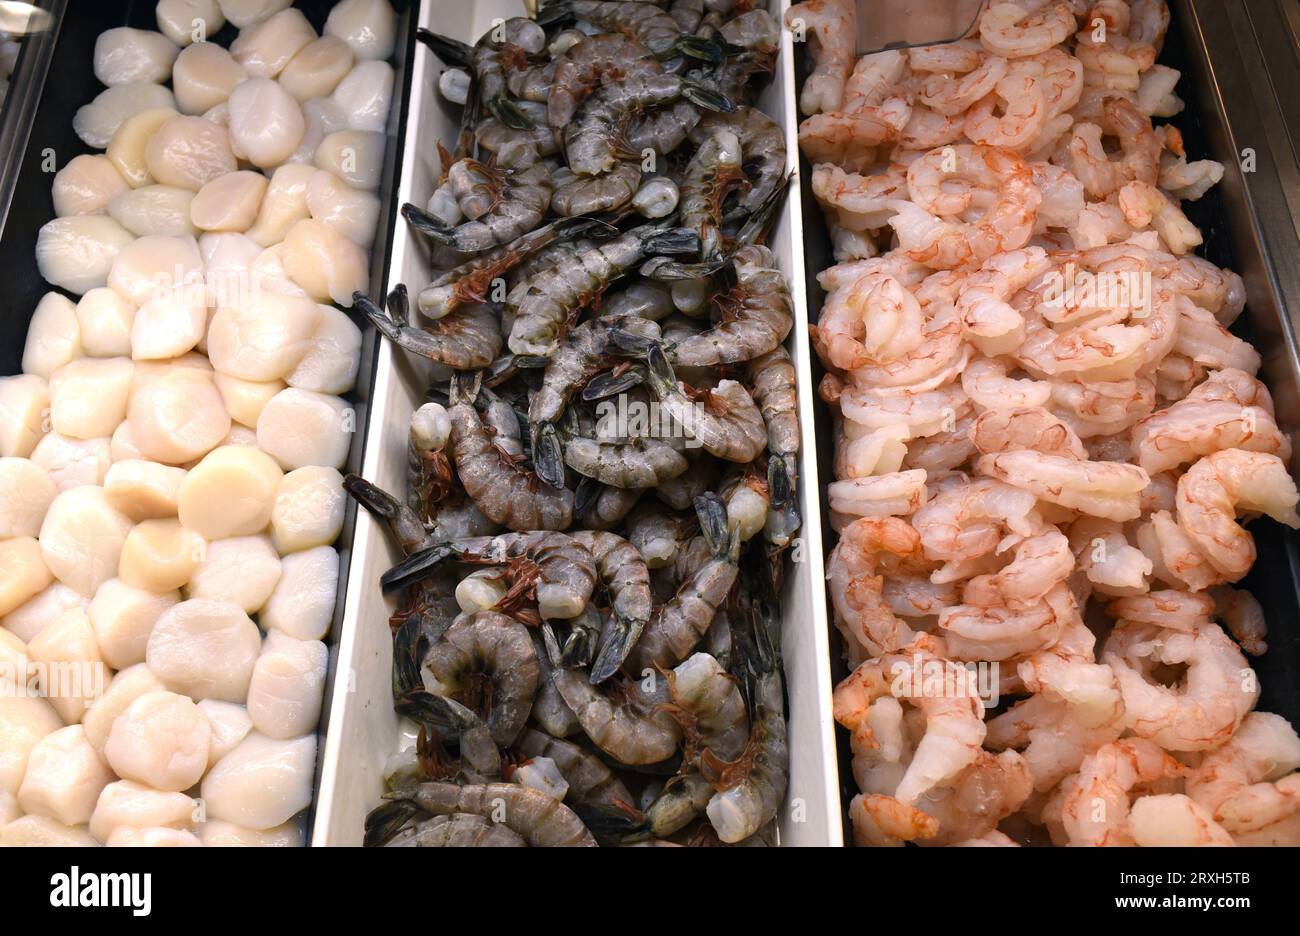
point(1014, 29)
point(868, 547)
point(1238, 783)
point(1241, 613)
point(1174, 820)
point(1094, 805)
point(834, 30)
point(1100, 489)
point(1025, 427)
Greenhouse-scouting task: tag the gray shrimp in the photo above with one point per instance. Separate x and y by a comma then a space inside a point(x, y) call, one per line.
point(591, 783)
point(480, 760)
point(617, 717)
point(762, 143)
point(776, 392)
point(502, 47)
point(544, 304)
point(714, 170)
point(535, 83)
point(403, 522)
point(514, 148)
point(658, 536)
point(644, 299)
point(626, 581)
point(542, 820)
point(608, 455)
point(680, 492)
point(690, 557)
point(585, 66)
point(501, 205)
point(550, 711)
point(505, 490)
point(580, 195)
point(678, 626)
point(603, 507)
point(429, 477)
point(467, 338)
point(647, 23)
point(728, 423)
point(662, 129)
point(460, 830)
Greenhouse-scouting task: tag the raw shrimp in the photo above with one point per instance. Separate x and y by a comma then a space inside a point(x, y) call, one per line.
point(644, 22)
point(987, 320)
point(581, 195)
point(711, 175)
point(487, 61)
point(542, 820)
point(833, 25)
point(775, 392)
point(507, 203)
point(581, 69)
point(860, 202)
point(459, 830)
point(466, 338)
point(762, 145)
point(726, 422)
point(1238, 782)
point(1041, 562)
point(1011, 116)
point(1094, 804)
point(623, 574)
point(591, 783)
point(868, 547)
point(1025, 427)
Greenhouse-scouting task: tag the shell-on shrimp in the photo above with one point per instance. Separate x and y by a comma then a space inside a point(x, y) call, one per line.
point(763, 155)
point(624, 575)
point(726, 421)
point(606, 57)
point(542, 820)
point(649, 25)
point(592, 785)
point(466, 338)
point(508, 203)
point(459, 830)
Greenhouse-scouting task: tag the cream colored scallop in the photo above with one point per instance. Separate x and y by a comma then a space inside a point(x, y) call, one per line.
point(153, 837)
point(230, 202)
point(204, 76)
point(185, 22)
point(262, 339)
point(161, 740)
point(240, 435)
point(67, 650)
point(160, 556)
point(178, 417)
point(205, 649)
point(88, 396)
point(266, 48)
point(317, 69)
point(263, 782)
point(266, 123)
point(126, 686)
point(335, 356)
point(86, 185)
point(243, 570)
point(269, 275)
point(122, 447)
point(148, 371)
point(125, 804)
point(153, 266)
point(127, 148)
point(123, 615)
point(170, 324)
point(230, 725)
point(44, 832)
point(24, 721)
point(13, 661)
point(26, 492)
point(24, 401)
point(217, 833)
point(76, 253)
point(219, 115)
point(301, 427)
point(53, 336)
point(355, 156)
point(324, 262)
point(23, 572)
point(82, 537)
point(228, 259)
point(10, 811)
point(308, 509)
point(230, 493)
point(284, 204)
point(352, 212)
point(369, 27)
point(124, 55)
point(243, 13)
point(39, 612)
point(302, 604)
point(163, 210)
point(98, 121)
point(104, 323)
point(64, 777)
point(284, 695)
point(365, 95)
point(245, 399)
point(143, 490)
point(189, 152)
point(323, 116)
point(73, 462)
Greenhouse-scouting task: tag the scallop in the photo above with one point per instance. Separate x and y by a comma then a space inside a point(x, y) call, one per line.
point(127, 148)
point(153, 837)
point(23, 572)
point(302, 604)
point(229, 202)
point(170, 324)
point(24, 401)
point(265, 338)
point(205, 649)
point(351, 212)
point(124, 55)
point(240, 435)
point(68, 648)
point(284, 695)
point(230, 493)
point(324, 262)
point(263, 782)
point(122, 616)
point(76, 253)
point(177, 417)
point(243, 13)
point(42, 831)
point(149, 371)
point(308, 509)
point(269, 274)
point(369, 27)
point(53, 336)
point(86, 185)
point(160, 556)
point(97, 122)
point(228, 260)
point(155, 265)
point(331, 365)
point(64, 777)
point(245, 399)
point(189, 152)
point(13, 659)
point(302, 427)
point(73, 462)
point(162, 210)
point(230, 725)
point(88, 396)
point(204, 76)
point(185, 22)
point(283, 205)
point(317, 69)
point(127, 686)
point(125, 804)
point(322, 116)
point(82, 537)
point(266, 123)
point(24, 721)
point(217, 833)
point(26, 492)
point(243, 570)
point(161, 740)
point(265, 49)
point(365, 95)
point(38, 613)
point(355, 156)
point(122, 447)
point(104, 323)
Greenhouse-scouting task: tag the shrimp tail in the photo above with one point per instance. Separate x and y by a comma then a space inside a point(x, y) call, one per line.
point(426, 223)
point(552, 14)
point(779, 488)
point(552, 645)
point(610, 383)
point(464, 387)
point(672, 241)
point(756, 226)
point(713, 523)
point(452, 51)
point(664, 270)
point(707, 98)
point(445, 716)
point(509, 113)
point(548, 455)
point(698, 47)
point(373, 498)
point(660, 373)
point(407, 652)
point(612, 825)
point(616, 642)
point(416, 566)
point(387, 820)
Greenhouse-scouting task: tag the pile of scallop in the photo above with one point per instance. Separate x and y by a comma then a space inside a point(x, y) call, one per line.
point(1045, 437)
point(609, 387)
point(169, 479)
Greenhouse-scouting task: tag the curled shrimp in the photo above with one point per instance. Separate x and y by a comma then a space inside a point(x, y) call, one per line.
point(459, 830)
point(579, 195)
point(539, 818)
point(1241, 613)
point(1093, 806)
point(501, 205)
point(726, 422)
point(1174, 820)
point(894, 494)
point(626, 579)
point(833, 25)
point(645, 22)
point(1099, 489)
point(591, 783)
point(868, 547)
point(1193, 428)
point(875, 319)
point(607, 57)
point(1238, 783)
point(466, 338)
point(1015, 29)
point(762, 146)
point(1001, 632)
point(713, 172)
point(1025, 427)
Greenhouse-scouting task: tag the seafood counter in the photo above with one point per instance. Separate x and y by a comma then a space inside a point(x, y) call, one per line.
point(1047, 435)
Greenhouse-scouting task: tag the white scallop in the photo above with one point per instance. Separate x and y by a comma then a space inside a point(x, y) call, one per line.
point(266, 123)
point(124, 55)
point(76, 253)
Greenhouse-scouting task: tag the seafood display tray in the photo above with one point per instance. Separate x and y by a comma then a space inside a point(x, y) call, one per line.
point(1238, 66)
point(364, 730)
point(51, 102)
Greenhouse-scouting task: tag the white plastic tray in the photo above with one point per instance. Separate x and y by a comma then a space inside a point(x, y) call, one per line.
point(364, 730)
